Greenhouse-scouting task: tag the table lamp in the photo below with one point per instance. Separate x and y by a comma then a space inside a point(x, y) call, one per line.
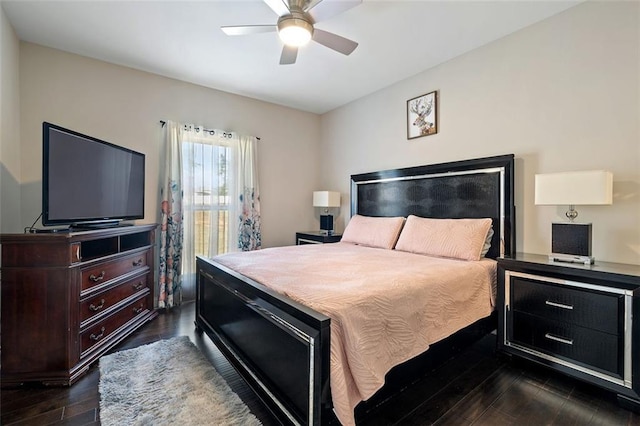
point(571, 242)
point(326, 199)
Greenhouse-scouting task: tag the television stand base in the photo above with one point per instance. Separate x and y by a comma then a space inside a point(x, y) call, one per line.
point(48, 230)
point(98, 225)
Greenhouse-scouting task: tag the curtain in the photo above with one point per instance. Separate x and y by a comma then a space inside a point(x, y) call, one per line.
point(249, 236)
point(221, 199)
point(171, 228)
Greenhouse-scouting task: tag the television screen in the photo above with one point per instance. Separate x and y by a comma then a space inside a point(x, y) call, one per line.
point(87, 180)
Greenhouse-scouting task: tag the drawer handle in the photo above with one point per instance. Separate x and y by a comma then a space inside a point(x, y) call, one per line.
point(98, 278)
point(138, 310)
point(96, 337)
point(95, 308)
point(138, 286)
point(559, 305)
point(559, 339)
point(136, 262)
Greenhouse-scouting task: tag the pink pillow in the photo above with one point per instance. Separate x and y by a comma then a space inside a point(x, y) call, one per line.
point(381, 232)
point(455, 238)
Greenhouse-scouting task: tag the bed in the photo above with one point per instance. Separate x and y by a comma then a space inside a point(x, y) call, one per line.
point(280, 339)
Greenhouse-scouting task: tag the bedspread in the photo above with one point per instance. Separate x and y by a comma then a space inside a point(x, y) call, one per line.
point(385, 306)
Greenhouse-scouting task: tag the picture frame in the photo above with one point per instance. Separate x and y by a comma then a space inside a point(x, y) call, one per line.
point(422, 115)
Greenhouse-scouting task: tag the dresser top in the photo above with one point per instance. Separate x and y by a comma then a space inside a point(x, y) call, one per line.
point(69, 235)
point(539, 260)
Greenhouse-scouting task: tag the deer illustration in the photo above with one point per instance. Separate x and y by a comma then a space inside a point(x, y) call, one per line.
point(422, 109)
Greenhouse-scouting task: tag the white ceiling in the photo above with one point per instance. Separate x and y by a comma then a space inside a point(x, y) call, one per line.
point(183, 40)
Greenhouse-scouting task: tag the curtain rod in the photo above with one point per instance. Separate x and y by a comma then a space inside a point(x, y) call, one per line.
point(162, 122)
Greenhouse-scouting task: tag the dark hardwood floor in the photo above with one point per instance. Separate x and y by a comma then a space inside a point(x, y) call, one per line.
point(475, 387)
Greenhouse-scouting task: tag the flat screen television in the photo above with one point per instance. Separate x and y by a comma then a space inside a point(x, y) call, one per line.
point(87, 182)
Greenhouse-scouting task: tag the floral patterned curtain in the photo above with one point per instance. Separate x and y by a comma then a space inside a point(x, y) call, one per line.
point(169, 288)
point(210, 203)
point(249, 235)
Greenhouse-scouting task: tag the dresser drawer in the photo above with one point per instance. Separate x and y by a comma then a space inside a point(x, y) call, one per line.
point(587, 346)
point(104, 272)
point(102, 330)
point(101, 303)
point(584, 308)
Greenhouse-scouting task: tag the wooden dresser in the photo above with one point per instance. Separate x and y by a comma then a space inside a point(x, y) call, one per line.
point(69, 297)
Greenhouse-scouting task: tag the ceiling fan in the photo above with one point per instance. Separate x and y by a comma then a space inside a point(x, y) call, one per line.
point(295, 26)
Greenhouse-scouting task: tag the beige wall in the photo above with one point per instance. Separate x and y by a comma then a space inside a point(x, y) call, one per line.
point(9, 128)
point(561, 95)
point(124, 106)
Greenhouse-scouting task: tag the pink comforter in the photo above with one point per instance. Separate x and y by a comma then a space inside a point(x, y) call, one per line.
point(385, 306)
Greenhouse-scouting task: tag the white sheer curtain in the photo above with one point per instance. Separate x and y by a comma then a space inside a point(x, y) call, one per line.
point(221, 198)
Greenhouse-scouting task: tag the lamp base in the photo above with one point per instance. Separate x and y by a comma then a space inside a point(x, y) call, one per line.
point(326, 224)
point(570, 258)
point(571, 241)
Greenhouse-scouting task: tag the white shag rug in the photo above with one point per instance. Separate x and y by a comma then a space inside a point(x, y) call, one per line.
point(168, 382)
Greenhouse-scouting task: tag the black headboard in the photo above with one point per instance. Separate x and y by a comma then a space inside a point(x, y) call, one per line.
point(477, 188)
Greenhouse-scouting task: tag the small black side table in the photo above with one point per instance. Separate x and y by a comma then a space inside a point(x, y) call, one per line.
point(316, 237)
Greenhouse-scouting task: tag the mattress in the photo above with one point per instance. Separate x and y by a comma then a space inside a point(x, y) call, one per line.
point(386, 306)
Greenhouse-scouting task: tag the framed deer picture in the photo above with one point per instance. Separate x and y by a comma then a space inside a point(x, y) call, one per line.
point(422, 115)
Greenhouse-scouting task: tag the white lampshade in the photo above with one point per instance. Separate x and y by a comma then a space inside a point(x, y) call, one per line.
point(592, 187)
point(326, 199)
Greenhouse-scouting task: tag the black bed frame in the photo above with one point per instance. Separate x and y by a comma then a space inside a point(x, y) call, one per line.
point(281, 347)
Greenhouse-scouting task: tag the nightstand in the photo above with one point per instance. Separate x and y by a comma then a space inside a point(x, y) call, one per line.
point(316, 237)
point(583, 321)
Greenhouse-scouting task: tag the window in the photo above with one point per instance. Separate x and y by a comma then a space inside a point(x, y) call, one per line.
point(209, 186)
point(206, 196)
point(210, 203)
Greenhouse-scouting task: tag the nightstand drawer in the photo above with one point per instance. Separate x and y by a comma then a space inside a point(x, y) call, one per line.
point(589, 309)
point(578, 344)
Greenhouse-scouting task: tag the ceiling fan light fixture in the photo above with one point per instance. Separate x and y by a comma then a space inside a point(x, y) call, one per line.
point(294, 32)
point(295, 26)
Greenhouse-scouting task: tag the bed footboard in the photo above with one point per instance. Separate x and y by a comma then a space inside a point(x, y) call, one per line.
point(279, 346)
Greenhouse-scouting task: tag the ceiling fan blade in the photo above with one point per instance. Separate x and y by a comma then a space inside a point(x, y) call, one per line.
point(248, 29)
point(289, 55)
point(310, 4)
point(321, 10)
point(334, 41)
point(280, 7)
